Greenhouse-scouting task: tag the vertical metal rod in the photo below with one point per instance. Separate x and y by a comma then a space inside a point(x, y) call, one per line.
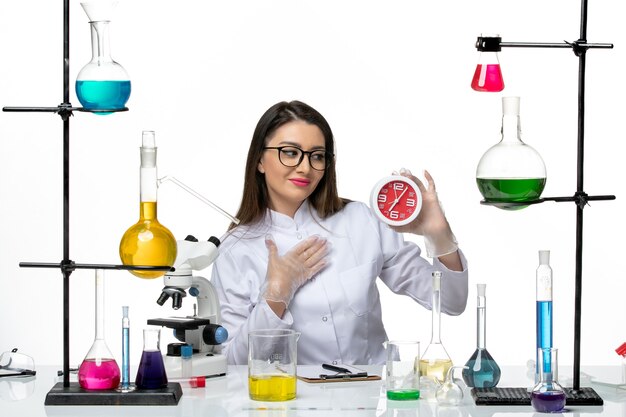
point(579, 188)
point(583, 19)
point(66, 195)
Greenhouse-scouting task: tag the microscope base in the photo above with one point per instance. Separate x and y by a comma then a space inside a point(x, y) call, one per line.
point(204, 364)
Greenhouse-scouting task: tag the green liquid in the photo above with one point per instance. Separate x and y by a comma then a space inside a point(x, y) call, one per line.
point(510, 190)
point(403, 394)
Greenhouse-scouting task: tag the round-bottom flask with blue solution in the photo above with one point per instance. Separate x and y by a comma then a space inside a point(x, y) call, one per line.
point(102, 86)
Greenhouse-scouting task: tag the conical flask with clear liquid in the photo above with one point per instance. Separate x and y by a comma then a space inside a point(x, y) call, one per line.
point(481, 370)
point(511, 172)
point(102, 84)
point(148, 242)
point(99, 370)
point(435, 360)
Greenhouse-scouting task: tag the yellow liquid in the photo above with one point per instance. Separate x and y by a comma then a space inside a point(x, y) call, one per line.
point(437, 368)
point(148, 242)
point(272, 387)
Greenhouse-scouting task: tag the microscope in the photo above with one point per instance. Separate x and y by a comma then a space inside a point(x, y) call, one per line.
point(202, 330)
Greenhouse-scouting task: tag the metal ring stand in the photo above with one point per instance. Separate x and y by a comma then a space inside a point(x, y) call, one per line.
point(67, 393)
point(580, 198)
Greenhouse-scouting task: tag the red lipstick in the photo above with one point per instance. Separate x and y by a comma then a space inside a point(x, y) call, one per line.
point(300, 182)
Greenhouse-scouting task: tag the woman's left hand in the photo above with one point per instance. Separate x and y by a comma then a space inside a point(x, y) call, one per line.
point(431, 221)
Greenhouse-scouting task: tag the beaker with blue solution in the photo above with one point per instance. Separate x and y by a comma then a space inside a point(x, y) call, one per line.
point(102, 84)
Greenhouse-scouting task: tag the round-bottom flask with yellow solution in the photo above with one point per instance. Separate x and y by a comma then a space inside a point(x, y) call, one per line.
point(148, 242)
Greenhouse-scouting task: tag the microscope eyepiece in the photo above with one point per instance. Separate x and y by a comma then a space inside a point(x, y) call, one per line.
point(163, 298)
point(177, 295)
point(177, 300)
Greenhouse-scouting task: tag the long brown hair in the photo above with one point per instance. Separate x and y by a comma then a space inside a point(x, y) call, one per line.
point(254, 201)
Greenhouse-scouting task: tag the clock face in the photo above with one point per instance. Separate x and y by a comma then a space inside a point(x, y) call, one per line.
point(396, 200)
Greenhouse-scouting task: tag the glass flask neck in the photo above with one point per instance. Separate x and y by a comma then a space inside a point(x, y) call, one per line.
point(511, 129)
point(436, 325)
point(151, 340)
point(148, 210)
point(548, 366)
point(99, 304)
point(148, 182)
point(100, 44)
point(481, 311)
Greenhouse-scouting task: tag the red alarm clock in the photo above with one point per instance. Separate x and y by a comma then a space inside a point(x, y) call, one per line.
point(396, 200)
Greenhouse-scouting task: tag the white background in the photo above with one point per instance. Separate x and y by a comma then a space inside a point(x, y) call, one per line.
point(392, 78)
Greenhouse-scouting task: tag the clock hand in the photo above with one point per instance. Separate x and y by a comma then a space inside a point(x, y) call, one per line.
point(397, 199)
point(402, 193)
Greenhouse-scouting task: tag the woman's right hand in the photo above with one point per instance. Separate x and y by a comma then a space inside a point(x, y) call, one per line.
point(287, 273)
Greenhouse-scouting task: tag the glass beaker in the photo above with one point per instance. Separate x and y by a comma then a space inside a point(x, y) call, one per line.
point(511, 172)
point(99, 371)
point(272, 360)
point(488, 74)
point(151, 373)
point(435, 361)
point(102, 84)
point(548, 396)
point(148, 242)
point(481, 370)
point(403, 375)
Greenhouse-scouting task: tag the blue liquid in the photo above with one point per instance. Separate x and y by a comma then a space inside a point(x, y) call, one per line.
point(96, 95)
point(483, 370)
point(548, 402)
point(125, 360)
point(151, 373)
point(544, 332)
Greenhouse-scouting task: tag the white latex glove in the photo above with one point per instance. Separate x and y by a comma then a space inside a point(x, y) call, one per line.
point(287, 273)
point(431, 222)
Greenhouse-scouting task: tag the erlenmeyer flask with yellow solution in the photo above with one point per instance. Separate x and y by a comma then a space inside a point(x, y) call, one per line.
point(148, 242)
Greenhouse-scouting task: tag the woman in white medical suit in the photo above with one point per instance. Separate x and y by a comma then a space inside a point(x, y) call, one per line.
point(303, 258)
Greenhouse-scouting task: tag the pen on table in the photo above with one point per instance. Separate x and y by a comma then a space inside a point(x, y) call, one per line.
point(344, 376)
point(336, 368)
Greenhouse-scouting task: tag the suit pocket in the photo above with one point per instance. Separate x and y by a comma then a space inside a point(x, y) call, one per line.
point(358, 286)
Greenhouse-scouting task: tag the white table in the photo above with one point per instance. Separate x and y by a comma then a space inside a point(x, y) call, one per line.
point(228, 397)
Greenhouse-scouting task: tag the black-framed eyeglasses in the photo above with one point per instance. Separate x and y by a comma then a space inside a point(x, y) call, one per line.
point(290, 156)
point(16, 364)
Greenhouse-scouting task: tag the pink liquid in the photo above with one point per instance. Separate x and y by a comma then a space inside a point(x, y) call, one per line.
point(490, 81)
point(104, 374)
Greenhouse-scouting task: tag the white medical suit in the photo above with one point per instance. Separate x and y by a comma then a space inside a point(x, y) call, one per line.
point(338, 311)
